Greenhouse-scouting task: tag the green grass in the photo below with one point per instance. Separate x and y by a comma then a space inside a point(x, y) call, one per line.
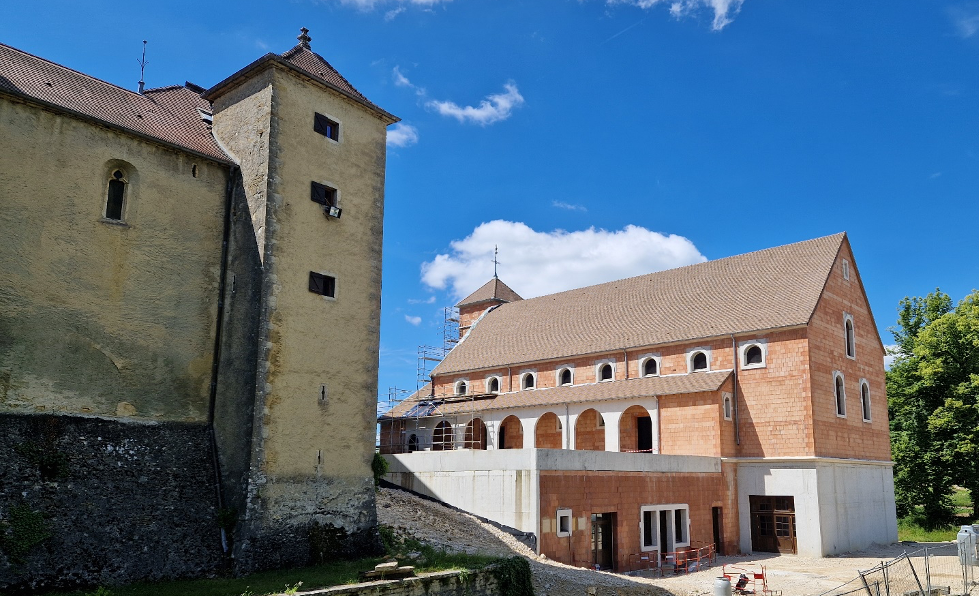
point(909, 528)
point(408, 552)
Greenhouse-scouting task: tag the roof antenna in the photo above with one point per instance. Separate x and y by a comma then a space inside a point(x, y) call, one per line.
point(496, 250)
point(142, 68)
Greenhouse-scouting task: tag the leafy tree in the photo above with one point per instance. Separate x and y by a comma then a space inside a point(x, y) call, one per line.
point(933, 403)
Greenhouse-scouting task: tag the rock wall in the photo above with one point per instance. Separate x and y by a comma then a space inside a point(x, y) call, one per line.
point(93, 501)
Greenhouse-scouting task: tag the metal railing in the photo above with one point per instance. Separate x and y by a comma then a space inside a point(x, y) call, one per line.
point(930, 571)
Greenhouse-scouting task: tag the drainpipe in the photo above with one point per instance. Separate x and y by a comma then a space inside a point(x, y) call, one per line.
point(625, 359)
point(216, 358)
point(737, 419)
point(509, 380)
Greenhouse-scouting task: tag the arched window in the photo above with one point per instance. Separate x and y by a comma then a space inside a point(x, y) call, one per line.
point(865, 399)
point(413, 443)
point(115, 195)
point(851, 349)
point(699, 362)
point(493, 385)
point(564, 377)
point(528, 381)
point(461, 388)
point(752, 356)
point(727, 407)
point(605, 372)
point(442, 437)
point(650, 367)
point(840, 395)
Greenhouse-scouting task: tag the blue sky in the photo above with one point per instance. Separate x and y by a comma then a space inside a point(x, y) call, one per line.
point(593, 140)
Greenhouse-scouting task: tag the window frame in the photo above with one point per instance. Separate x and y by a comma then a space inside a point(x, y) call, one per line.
point(849, 336)
point(560, 371)
point(673, 509)
point(839, 388)
point(846, 269)
point(692, 354)
point(331, 195)
point(645, 359)
point(745, 346)
point(463, 384)
point(329, 282)
point(599, 365)
point(524, 375)
point(326, 121)
point(865, 401)
point(727, 406)
point(654, 518)
point(566, 514)
point(499, 384)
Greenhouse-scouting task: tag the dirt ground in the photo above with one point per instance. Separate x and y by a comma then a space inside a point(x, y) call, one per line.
point(457, 531)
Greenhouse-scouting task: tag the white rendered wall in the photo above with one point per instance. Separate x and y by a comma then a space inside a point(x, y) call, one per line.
point(840, 505)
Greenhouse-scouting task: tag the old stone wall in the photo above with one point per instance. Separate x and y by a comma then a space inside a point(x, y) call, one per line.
point(453, 582)
point(88, 501)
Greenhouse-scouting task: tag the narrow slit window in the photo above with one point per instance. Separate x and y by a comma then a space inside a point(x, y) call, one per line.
point(850, 344)
point(865, 400)
point(840, 396)
point(327, 127)
point(115, 196)
point(322, 284)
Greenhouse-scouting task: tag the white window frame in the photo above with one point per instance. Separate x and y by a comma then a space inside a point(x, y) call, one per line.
point(846, 270)
point(693, 352)
point(849, 349)
point(598, 368)
point(727, 407)
point(650, 357)
point(499, 384)
point(837, 399)
point(743, 353)
point(865, 405)
point(654, 546)
point(671, 508)
point(564, 513)
point(559, 371)
point(523, 378)
point(459, 382)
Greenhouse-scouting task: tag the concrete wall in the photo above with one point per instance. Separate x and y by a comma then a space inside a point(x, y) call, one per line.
point(840, 505)
point(120, 500)
point(101, 317)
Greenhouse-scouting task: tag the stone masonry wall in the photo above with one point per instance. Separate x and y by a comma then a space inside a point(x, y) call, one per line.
point(112, 501)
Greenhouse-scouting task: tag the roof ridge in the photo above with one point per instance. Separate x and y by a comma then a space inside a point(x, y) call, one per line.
point(78, 72)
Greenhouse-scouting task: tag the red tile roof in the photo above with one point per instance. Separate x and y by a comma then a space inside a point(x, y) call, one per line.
point(168, 114)
point(494, 290)
point(767, 289)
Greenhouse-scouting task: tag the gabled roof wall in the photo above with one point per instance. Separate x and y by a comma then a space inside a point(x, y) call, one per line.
point(763, 290)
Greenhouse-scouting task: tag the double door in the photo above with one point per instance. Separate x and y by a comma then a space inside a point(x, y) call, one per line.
point(772, 523)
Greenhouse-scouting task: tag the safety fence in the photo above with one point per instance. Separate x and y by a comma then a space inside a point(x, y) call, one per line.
point(930, 571)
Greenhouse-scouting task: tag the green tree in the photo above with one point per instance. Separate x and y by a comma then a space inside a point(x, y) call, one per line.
point(932, 391)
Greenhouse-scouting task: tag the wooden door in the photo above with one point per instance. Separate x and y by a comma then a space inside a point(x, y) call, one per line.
point(773, 523)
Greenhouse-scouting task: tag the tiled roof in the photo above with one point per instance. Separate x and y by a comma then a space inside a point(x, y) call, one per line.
point(493, 290)
point(640, 387)
point(167, 114)
point(767, 289)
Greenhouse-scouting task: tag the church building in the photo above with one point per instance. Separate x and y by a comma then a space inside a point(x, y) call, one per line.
point(737, 403)
point(189, 306)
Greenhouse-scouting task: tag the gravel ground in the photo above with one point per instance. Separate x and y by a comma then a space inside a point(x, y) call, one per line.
point(456, 531)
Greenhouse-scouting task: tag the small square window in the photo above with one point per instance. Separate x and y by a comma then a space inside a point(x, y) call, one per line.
point(323, 284)
point(564, 522)
point(322, 194)
point(326, 127)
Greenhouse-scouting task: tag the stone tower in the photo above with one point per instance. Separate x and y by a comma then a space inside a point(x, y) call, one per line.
point(295, 433)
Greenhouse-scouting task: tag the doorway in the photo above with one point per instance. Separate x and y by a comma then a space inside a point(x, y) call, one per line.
point(644, 428)
point(717, 517)
point(666, 534)
point(773, 523)
point(603, 540)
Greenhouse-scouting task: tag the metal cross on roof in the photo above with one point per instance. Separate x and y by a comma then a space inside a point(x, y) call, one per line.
point(496, 250)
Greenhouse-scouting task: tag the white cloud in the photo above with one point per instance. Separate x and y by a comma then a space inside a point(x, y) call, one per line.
point(891, 351)
point(724, 10)
point(966, 18)
point(536, 263)
point(370, 4)
point(568, 206)
point(389, 15)
point(429, 301)
point(402, 81)
point(402, 135)
point(494, 108)
point(413, 320)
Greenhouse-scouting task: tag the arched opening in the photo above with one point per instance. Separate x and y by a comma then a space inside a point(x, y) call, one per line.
point(493, 385)
point(605, 372)
point(547, 433)
point(840, 397)
point(635, 430)
point(850, 348)
point(115, 195)
point(413, 443)
point(699, 362)
point(650, 367)
point(511, 434)
point(753, 355)
point(589, 431)
point(461, 388)
point(564, 378)
point(442, 437)
point(475, 435)
point(529, 381)
point(865, 400)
